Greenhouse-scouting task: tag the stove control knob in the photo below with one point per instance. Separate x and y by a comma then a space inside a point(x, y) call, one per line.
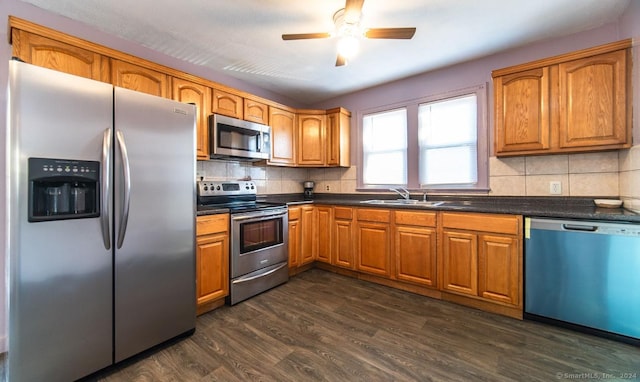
point(206, 188)
point(218, 188)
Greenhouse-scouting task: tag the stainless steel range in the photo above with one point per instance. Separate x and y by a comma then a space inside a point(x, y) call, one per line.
point(259, 231)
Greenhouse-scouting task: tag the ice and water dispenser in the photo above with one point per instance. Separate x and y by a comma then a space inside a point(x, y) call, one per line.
point(63, 189)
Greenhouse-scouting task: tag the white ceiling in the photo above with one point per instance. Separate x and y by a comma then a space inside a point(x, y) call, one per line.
point(242, 38)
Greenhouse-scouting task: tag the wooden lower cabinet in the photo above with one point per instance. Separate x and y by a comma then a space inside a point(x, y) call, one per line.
point(482, 256)
point(294, 236)
point(460, 262)
point(212, 261)
point(323, 233)
point(308, 237)
point(373, 241)
point(342, 237)
point(415, 247)
point(499, 266)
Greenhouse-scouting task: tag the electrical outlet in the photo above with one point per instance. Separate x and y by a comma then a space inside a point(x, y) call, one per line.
point(328, 188)
point(555, 188)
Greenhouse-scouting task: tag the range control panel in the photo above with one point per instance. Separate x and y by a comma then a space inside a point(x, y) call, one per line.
point(224, 188)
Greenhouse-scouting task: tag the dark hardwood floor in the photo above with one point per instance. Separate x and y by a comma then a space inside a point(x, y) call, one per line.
point(325, 327)
point(322, 326)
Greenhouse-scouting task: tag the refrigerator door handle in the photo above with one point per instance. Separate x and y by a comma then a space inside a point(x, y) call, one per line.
point(105, 180)
point(124, 218)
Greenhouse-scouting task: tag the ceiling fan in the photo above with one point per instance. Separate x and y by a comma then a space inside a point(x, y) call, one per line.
point(348, 29)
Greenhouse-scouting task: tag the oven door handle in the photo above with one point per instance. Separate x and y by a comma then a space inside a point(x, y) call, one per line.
point(258, 217)
point(247, 279)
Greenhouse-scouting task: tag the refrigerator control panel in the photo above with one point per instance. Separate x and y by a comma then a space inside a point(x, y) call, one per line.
point(62, 189)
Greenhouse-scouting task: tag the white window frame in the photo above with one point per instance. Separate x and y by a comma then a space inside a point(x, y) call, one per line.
point(413, 151)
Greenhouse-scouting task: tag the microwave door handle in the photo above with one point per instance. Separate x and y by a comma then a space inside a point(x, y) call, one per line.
point(261, 137)
point(105, 181)
point(124, 218)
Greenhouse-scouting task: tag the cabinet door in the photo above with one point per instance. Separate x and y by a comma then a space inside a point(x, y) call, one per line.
point(308, 239)
point(256, 112)
point(212, 267)
point(52, 54)
point(499, 268)
point(200, 95)
point(227, 104)
point(374, 248)
point(134, 77)
point(522, 119)
point(592, 101)
point(337, 139)
point(323, 234)
point(460, 262)
point(283, 137)
point(415, 250)
point(343, 243)
point(311, 140)
point(294, 243)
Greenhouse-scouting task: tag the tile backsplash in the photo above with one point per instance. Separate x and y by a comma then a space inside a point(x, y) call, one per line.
point(607, 174)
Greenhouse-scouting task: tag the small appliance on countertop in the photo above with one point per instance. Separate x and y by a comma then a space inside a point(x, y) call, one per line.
point(259, 237)
point(308, 189)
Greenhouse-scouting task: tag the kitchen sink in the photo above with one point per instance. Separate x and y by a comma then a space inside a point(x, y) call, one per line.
point(404, 202)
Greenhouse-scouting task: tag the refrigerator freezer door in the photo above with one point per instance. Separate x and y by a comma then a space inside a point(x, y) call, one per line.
point(60, 304)
point(155, 266)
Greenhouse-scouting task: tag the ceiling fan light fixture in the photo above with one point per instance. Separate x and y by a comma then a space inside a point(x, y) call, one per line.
point(348, 46)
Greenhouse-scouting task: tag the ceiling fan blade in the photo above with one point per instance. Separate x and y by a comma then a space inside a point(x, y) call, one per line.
point(305, 36)
point(393, 33)
point(341, 61)
point(353, 10)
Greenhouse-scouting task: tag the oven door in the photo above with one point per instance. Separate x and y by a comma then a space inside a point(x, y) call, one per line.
point(259, 239)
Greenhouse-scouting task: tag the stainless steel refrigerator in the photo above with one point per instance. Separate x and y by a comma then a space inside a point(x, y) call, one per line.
point(101, 204)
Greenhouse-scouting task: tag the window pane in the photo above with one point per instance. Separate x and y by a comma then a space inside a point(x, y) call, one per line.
point(385, 131)
point(385, 168)
point(450, 122)
point(447, 135)
point(453, 165)
point(384, 146)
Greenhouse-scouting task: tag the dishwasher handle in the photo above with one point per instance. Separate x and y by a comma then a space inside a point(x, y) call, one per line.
point(580, 227)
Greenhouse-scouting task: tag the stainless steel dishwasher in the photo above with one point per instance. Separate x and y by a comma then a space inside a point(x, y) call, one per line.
point(584, 275)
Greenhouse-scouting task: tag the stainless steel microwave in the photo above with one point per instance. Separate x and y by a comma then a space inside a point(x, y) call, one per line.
point(234, 138)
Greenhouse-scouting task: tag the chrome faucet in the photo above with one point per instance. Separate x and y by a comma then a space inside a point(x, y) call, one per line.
point(402, 192)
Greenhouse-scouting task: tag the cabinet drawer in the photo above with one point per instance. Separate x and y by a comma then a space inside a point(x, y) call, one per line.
point(294, 213)
point(209, 224)
point(344, 213)
point(424, 219)
point(382, 216)
point(508, 224)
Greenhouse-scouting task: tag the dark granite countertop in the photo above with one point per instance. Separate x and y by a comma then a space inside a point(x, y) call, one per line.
point(556, 207)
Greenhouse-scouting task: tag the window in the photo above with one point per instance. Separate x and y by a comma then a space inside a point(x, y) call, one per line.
point(447, 139)
point(435, 143)
point(384, 148)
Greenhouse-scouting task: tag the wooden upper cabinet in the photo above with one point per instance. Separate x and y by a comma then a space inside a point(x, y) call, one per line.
point(522, 111)
point(283, 137)
point(56, 55)
point(255, 111)
point(227, 104)
point(592, 101)
point(138, 78)
point(576, 102)
point(311, 139)
point(200, 95)
point(338, 137)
